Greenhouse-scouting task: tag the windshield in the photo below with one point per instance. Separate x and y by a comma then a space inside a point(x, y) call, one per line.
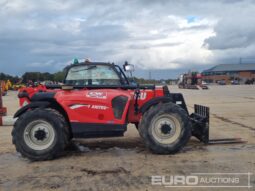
point(92, 75)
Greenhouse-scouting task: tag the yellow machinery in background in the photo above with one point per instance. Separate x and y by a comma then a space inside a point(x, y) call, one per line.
point(5, 86)
point(18, 85)
point(8, 85)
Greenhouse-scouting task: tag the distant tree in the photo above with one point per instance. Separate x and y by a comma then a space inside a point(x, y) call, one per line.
point(59, 76)
point(13, 79)
point(33, 76)
point(37, 77)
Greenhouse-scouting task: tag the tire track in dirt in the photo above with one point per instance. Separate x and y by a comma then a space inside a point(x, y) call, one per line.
point(109, 179)
point(233, 122)
point(99, 172)
point(252, 98)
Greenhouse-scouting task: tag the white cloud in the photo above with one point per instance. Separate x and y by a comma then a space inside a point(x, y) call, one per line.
point(166, 45)
point(150, 34)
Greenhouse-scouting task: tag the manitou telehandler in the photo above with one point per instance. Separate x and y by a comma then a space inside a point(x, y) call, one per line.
point(98, 100)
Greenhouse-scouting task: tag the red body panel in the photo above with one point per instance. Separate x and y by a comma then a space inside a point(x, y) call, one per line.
point(91, 106)
point(145, 96)
point(94, 106)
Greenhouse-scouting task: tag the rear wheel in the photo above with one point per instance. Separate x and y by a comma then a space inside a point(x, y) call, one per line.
point(40, 134)
point(165, 128)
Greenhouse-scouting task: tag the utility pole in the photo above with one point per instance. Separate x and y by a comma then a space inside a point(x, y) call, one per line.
point(149, 75)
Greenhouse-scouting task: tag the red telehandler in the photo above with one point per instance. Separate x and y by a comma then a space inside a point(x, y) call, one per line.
point(98, 100)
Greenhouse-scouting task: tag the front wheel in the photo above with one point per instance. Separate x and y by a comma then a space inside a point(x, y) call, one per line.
point(165, 128)
point(40, 134)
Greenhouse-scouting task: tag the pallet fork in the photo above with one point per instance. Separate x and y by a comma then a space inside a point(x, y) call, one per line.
point(200, 127)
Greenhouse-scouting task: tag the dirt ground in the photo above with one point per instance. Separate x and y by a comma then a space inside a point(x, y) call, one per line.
point(125, 164)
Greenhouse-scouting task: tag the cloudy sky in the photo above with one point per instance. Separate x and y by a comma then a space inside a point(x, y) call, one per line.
point(169, 36)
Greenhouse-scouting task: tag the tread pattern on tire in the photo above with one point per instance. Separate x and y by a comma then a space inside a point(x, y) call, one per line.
point(62, 130)
point(147, 137)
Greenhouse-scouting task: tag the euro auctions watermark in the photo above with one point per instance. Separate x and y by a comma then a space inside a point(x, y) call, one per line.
point(217, 180)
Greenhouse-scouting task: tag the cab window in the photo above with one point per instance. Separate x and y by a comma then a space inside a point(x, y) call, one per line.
point(92, 75)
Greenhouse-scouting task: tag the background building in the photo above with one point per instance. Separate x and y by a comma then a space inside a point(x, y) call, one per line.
point(241, 73)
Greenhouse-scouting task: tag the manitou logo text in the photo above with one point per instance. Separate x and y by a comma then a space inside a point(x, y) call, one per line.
point(98, 107)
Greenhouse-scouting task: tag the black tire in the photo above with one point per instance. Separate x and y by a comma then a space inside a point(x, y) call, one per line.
point(58, 129)
point(179, 131)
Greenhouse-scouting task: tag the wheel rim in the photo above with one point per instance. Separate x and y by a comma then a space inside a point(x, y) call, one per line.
point(166, 129)
point(39, 135)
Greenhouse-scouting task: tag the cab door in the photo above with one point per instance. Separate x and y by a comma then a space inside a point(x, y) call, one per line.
point(95, 108)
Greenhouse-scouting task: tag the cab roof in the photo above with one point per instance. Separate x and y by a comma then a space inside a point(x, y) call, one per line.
point(89, 63)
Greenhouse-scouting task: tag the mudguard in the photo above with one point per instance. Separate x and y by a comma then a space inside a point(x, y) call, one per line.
point(32, 105)
point(154, 101)
point(43, 96)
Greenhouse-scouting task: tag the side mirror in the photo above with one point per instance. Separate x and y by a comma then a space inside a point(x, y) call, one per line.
point(128, 67)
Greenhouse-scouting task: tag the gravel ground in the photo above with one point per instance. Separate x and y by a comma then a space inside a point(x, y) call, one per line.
point(125, 164)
